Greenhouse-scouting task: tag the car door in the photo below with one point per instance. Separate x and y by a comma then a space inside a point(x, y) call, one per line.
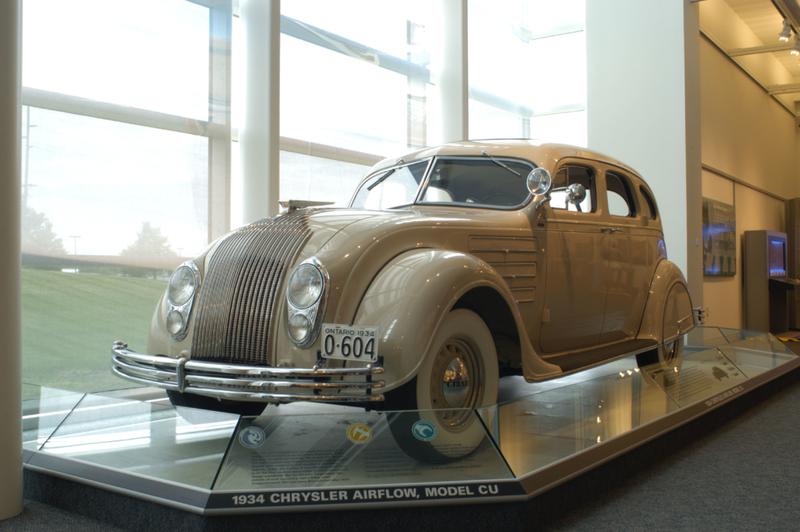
point(630, 255)
point(575, 291)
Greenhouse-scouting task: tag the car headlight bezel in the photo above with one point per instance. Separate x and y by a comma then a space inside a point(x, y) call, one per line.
point(309, 279)
point(312, 309)
point(183, 307)
point(185, 286)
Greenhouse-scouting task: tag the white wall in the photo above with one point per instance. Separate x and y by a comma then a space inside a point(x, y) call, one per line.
point(643, 108)
point(750, 137)
point(745, 132)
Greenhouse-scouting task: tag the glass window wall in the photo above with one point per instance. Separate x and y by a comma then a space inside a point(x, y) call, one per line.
point(127, 152)
point(527, 70)
point(125, 171)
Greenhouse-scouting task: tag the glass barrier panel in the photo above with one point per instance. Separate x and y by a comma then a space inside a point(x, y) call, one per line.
point(700, 375)
point(43, 410)
point(540, 429)
point(359, 448)
point(755, 355)
point(703, 337)
point(736, 335)
point(183, 445)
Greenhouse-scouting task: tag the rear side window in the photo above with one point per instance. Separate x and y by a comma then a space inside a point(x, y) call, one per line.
point(620, 198)
point(650, 203)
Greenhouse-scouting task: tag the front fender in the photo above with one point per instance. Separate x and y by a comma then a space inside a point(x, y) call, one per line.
point(410, 297)
point(668, 312)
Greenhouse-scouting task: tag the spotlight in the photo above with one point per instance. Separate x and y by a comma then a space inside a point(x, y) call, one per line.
point(796, 47)
point(786, 32)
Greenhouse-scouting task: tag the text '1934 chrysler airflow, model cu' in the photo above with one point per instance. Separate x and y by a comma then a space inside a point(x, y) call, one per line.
point(451, 267)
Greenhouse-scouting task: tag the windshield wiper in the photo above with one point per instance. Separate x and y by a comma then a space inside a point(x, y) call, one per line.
point(496, 161)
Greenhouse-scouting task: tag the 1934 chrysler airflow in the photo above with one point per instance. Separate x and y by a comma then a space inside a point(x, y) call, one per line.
point(452, 267)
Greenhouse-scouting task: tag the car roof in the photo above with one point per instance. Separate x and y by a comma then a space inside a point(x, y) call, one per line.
point(546, 155)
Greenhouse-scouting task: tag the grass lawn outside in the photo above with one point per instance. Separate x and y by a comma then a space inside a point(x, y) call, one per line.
point(70, 321)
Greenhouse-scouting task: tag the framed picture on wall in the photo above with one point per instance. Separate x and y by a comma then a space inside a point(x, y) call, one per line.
point(719, 238)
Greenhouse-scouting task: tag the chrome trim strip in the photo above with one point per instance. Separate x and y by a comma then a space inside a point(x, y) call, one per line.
point(256, 383)
point(503, 250)
point(229, 381)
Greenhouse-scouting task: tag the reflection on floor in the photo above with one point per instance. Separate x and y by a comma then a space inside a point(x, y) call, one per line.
point(573, 414)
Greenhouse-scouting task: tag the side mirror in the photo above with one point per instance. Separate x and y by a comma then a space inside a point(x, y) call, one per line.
point(539, 184)
point(576, 193)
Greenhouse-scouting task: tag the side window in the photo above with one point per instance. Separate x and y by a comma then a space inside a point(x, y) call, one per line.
point(570, 175)
point(652, 212)
point(620, 198)
point(392, 188)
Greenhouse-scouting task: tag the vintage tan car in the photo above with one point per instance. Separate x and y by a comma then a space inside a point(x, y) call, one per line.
point(452, 267)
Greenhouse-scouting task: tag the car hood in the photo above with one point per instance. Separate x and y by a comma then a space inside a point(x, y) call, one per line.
point(343, 231)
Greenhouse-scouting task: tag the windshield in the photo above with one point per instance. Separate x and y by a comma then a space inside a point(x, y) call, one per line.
point(393, 188)
point(469, 181)
point(485, 182)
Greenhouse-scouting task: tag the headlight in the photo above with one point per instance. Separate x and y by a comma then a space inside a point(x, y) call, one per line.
point(299, 328)
point(174, 322)
point(305, 286)
point(306, 293)
point(181, 286)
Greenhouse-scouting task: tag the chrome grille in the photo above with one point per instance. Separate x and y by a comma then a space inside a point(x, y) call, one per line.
point(235, 306)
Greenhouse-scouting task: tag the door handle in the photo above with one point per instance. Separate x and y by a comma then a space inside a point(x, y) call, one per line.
point(610, 230)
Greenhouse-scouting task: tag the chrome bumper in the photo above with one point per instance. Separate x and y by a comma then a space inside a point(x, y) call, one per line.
point(248, 383)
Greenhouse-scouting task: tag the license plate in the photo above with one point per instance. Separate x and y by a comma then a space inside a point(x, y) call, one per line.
point(350, 342)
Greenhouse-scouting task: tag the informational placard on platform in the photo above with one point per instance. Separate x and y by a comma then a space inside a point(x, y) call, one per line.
point(329, 454)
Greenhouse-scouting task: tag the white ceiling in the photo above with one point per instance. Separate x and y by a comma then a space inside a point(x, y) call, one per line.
point(760, 22)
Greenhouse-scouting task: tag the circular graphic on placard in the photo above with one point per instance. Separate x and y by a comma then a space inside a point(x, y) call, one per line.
point(424, 430)
point(252, 437)
point(359, 433)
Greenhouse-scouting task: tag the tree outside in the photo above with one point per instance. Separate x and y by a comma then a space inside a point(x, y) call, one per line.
point(149, 243)
point(38, 237)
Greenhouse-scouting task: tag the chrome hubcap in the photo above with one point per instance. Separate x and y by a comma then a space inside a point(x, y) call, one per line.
point(456, 381)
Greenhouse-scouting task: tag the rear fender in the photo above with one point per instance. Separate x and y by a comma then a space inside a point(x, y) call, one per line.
point(668, 312)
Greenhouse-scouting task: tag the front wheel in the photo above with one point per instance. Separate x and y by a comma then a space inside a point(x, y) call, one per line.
point(458, 375)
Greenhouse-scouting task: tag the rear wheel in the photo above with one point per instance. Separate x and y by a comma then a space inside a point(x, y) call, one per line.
point(668, 356)
point(458, 375)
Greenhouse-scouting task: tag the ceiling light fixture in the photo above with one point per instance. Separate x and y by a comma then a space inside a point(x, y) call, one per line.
point(796, 47)
point(787, 31)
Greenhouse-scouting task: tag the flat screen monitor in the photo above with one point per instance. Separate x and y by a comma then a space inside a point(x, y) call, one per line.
point(776, 246)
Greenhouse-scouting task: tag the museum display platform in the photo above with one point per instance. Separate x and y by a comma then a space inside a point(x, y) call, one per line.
point(305, 456)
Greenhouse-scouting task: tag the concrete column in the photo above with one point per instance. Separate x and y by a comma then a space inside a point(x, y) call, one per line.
point(259, 136)
point(643, 107)
point(10, 320)
point(450, 67)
